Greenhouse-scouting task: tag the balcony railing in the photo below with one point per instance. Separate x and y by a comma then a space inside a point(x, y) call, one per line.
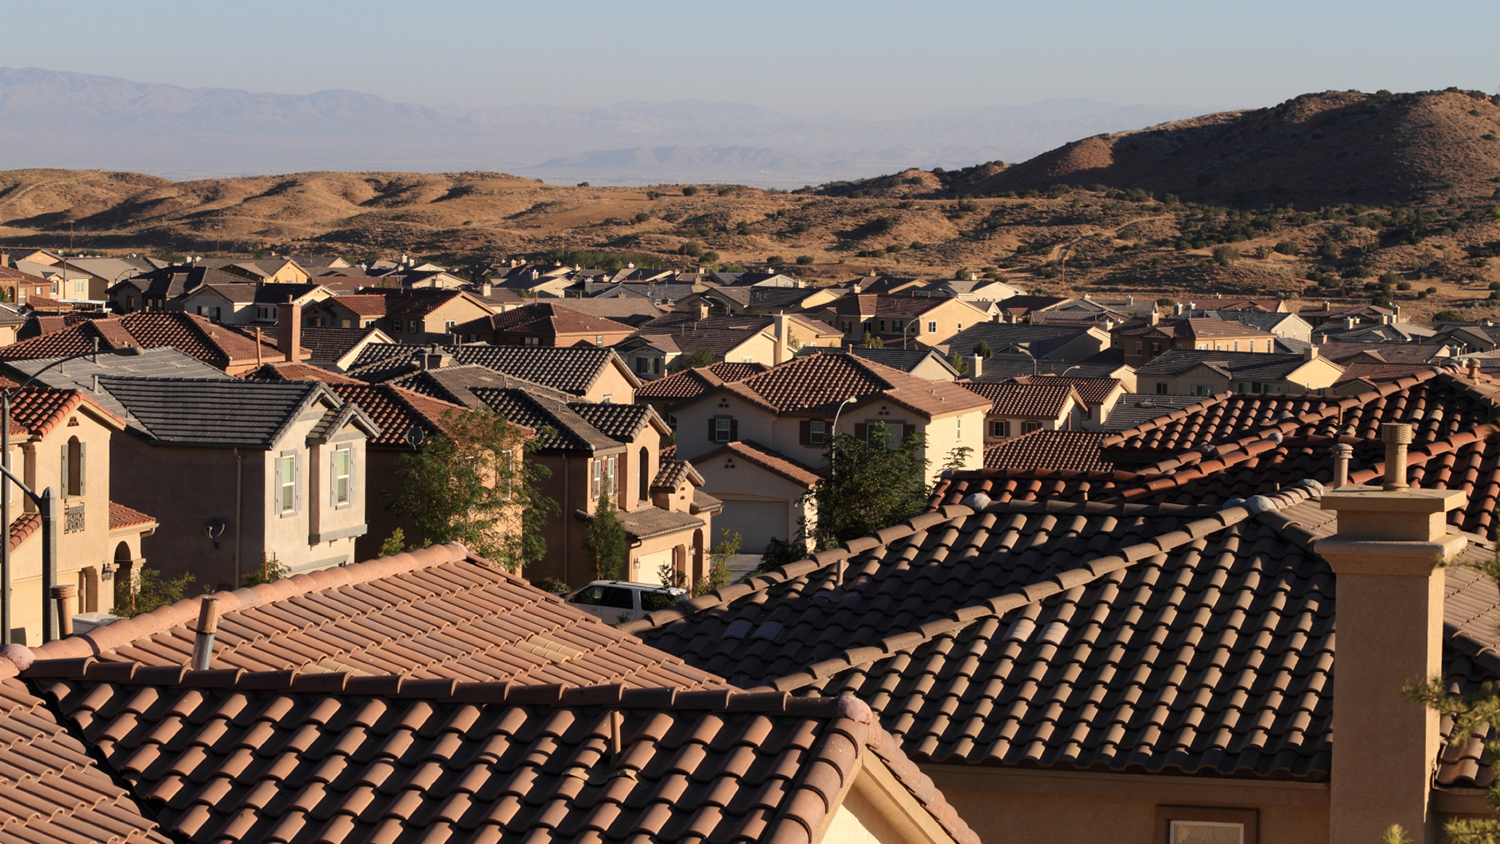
point(73, 519)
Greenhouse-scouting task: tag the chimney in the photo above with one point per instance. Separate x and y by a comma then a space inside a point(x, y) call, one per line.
point(976, 368)
point(1390, 629)
point(1129, 300)
point(1473, 367)
point(780, 355)
point(1310, 353)
point(289, 329)
point(64, 596)
point(208, 625)
point(702, 310)
point(1177, 309)
point(485, 288)
point(1387, 319)
point(1350, 322)
point(1155, 317)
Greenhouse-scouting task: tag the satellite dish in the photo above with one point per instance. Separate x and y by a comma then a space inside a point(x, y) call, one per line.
point(415, 436)
point(215, 527)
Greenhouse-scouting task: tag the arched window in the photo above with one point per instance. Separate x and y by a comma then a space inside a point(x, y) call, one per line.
point(644, 471)
point(72, 468)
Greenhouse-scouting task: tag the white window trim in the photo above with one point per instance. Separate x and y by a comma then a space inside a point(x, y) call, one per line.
point(334, 477)
point(283, 484)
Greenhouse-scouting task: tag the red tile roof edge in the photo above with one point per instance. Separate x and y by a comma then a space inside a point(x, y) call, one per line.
point(765, 458)
point(125, 631)
point(121, 516)
point(1061, 582)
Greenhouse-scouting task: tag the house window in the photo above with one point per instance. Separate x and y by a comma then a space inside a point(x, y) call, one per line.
point(1237, 346)
point(398, 325)
point(1139, 347)
point(286, 483)
point(1161, 388)
point(931, 327)
point(72, 468)
point(882, 326)
point(80, 287)
point(817, 432)
point(598, 339)
point(1000, 428)
point(893, 433)
point(1032, 426)
point(723, 427)
point(1205, 825)
point(960, 427)
point(960, 326)
point(597, 483)
point(343, 476)
point(448, 326)
point(531, 341)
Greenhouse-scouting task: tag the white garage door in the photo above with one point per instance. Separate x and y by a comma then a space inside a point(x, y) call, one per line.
point(646, 566)
point(755, 522)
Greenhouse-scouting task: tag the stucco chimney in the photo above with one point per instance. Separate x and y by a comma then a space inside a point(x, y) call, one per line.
point(1155, 318)
point(1341, 456)
point(1310, 353)
point(485, 288)
point(289, 329)
point(1350, 322)
point(1390, 629)
point(976, 368)
point(702, 310)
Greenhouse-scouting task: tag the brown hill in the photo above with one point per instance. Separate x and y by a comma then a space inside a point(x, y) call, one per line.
point(1312, 151)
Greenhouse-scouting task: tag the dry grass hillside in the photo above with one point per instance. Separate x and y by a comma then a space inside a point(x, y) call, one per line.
point(1433, 250)
point(1312, 151)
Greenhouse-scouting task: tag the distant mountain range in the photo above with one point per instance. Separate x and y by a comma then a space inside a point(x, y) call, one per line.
point(80, 121)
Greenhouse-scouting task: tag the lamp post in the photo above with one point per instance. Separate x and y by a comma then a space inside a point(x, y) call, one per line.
point(47, 504)
point(1021, 351)
point(833, 442)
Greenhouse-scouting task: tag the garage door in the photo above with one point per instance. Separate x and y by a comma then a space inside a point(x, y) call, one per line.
point(646, 566)
point(755, 521)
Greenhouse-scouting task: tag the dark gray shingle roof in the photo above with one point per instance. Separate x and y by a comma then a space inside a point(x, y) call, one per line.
point(247, 414)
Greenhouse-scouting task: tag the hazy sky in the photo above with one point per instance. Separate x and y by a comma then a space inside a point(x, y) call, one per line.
point(869, 59)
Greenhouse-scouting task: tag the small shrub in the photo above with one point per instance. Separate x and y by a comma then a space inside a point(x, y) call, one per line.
point(1225, 256)
point(553, 585)
point(689, 190)
point(642, 217)
point(804, 260)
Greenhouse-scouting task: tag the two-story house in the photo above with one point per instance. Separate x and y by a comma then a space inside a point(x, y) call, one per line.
point(543, 324)
point(587, 372)
point(242, 472)
point(1021, 408)
point(60, 440)
point(245, 304)
point(905, 321)
point(748, 338)
point(422, 315)
point(1144, 340)
point(1206, 373)
point(760, 442)
point(591, 449)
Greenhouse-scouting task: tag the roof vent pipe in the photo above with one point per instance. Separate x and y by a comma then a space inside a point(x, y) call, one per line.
point(208, 625)
point(64, 596)
point(1397, 437)
point(1341, 456)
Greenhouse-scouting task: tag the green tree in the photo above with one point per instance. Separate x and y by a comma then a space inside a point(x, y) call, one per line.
point(718, 563)
point(1225, 255)
point(393, 544)
point(804, 260)
point(873, 342)
point(607, 543)
point(269, 569)
point(982, 350)
point(147, 591)
point(958, 362)
point(472, 484)
point(689, 190)
point(702, 357)
point(869, 485)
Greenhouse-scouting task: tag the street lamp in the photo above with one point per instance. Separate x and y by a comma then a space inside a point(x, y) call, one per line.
point(1021, 351)
point(46, 505)
point(833, 442)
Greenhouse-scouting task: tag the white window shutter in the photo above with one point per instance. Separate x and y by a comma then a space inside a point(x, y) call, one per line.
point(333, 478)
point(296, 483)
point(83, 452)
point(64, 485)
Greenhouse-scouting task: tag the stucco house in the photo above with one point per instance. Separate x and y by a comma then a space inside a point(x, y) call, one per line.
point(760, 441)
point(249, 471)
point(543, 324)
point(904, 321)
point(1021, 408)
point(1201, 373)
point(586, 372)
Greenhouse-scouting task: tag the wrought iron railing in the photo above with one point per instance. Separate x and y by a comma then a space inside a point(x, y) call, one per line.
point(73, 519)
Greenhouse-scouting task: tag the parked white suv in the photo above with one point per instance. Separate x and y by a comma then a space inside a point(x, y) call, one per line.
point(619, 601)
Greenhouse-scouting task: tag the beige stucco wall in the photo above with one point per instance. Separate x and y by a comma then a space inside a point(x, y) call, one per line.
point(1002, 816)
point(612, 385)
point(734, 480)
point(39, 462)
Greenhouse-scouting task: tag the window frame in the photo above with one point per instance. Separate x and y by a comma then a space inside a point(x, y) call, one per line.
point(287, 487)
point(931, 326)
point(817, 432)
point(347, 477)
point(723, 429)
point(1248, 820)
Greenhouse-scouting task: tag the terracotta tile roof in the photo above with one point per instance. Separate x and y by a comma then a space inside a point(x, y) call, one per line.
point(436, 614)
point(1372, 373)
point(773, 461)
point(1139, 408)
point(362, 304)
point(22, 528)
point(819, 383)
point(560, 427)
point(54, 791)
point(343, 759)
point(882, 304)
point(218, 345)
point(544, 318)
point(397, 411)
point(419, 302)
point(281, 371)
point(1036, 400)
point(1093, 391)
point(572, 369)
point(905, 360)
point(673, 474)
point(121, 516)
point(622, 422)
point(692, 382)
point(649, 522)
point(38, 410)
point(1077, 451)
